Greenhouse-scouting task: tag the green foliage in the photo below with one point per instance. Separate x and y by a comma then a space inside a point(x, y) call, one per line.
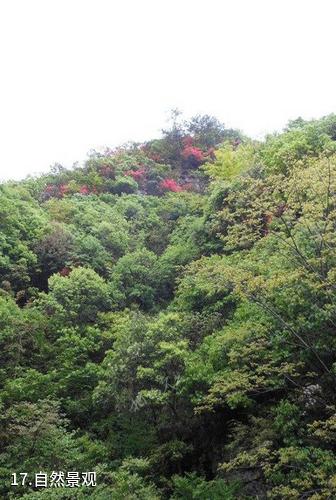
point(192, 487)
point(231, 161)
point(22, 222)
point(124, 185)
point(54, 250)
point(310, 139)
point(81, 295)
point(182, 345)
point(135, 275)
point(34, 437)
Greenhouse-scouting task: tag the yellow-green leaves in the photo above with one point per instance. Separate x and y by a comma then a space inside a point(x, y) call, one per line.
point(231, 161)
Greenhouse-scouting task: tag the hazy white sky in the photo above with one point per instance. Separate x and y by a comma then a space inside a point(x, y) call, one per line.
point(80, 74)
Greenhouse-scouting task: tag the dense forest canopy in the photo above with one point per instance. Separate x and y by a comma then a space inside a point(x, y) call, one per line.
point(168, 318)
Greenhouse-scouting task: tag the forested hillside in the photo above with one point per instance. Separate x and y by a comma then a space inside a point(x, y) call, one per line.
point(168, 318)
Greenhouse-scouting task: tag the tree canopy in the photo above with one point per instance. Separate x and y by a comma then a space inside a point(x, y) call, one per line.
point(167, 318)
